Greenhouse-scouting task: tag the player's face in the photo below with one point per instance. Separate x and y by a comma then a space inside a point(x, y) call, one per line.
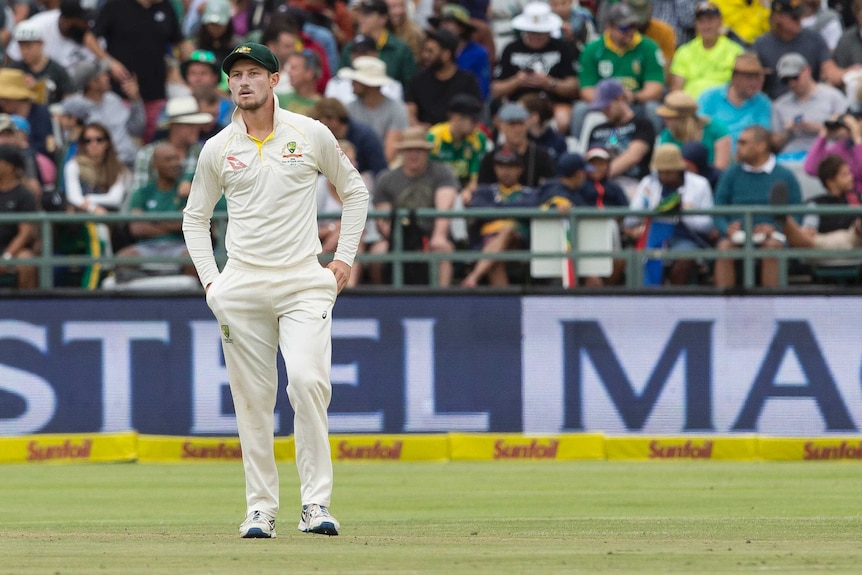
point(251, 84)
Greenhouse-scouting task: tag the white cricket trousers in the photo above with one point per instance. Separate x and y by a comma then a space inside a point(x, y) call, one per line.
point(258, 310)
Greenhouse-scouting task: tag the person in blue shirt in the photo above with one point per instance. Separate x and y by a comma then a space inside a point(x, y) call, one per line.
point(471, 55)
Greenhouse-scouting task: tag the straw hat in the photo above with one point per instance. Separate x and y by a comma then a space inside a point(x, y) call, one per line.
point(668, 158)
point(13, 85)
point(677, 104)
point(415, 138)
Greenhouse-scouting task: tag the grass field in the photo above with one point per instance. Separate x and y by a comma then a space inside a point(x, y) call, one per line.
point(451, 518)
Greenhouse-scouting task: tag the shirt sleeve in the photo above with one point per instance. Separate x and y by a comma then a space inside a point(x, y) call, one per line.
point(72, 183)
point(205, 192)
point(335, 165)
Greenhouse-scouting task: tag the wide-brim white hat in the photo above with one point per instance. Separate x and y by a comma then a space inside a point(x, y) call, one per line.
point(537, 17)
point(367, 70)
point(184, 110)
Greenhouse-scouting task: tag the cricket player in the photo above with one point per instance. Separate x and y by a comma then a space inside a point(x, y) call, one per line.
point(273, 292)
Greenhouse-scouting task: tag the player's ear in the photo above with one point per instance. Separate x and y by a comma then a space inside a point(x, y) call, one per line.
point(273, 79)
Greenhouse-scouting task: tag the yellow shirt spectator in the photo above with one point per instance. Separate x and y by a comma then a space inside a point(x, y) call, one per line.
point(748, 20)
point(702, 68)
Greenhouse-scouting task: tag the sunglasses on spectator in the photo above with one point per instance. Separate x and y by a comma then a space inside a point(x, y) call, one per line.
point(98, 139)
point(788, 79)
point(627, 28)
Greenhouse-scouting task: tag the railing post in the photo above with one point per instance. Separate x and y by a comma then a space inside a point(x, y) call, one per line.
point(46, 270)
point(748, 252)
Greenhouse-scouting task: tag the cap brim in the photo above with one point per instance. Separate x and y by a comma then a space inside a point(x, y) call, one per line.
point(234, 57)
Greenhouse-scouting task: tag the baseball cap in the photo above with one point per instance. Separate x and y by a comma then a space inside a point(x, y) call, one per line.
point(363, 44)
point(446, 39)
point(78, 107)
point(597, 153)
point(607, 91)
point(373, 6)
point(513, 112)
point(465, 105)
point(570, 163)
point(453, 13)
point(507, 157)
point(621, 15)
point(28, 31)
point(251, 51)
point(791, 7)
point(201, 57)
point(11, 155)
point(216, 12)
point(706, 8)
point(641, 9)
point(72, 9)
point(790, 65)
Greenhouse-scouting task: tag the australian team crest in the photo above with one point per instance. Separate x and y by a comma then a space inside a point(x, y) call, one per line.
point(225, 332)
point(291, 153)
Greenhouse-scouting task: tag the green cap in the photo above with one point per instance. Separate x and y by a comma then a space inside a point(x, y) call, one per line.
point(257, 52)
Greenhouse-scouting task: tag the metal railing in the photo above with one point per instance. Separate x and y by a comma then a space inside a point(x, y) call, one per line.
point(748, 253)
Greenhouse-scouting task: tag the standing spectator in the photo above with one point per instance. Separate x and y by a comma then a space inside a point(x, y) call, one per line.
point(817, 16)
point(125, 121)
point(16, 98)
point(303, 69)
point(470, 55)
point(404, 27)
point(707, 61)
point(840, 136)
point(579, 27)
point(748, 183)
point(417, 183)
point(635, 62)
point(537, 62)
point(656, 30)
point(372, 20)
point(786, 35)
point(798, 115)
point(745, 20)
point(683, 125)
point(429, 92)
point(848, 51)
point(740, 103)
point(139, 34)
point(678, 13)
point(341, 87)
point(16, 239)
point(369, 149)
point(284, 36)
point(386, 116)
point(51, 82)
point(202, 74)
point(460, 144)
point(498, 235)
point(628, 137)
point(670, 190)
point(216, 33)
point(536, 161)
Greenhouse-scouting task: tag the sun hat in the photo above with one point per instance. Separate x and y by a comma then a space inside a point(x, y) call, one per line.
point(184, 110)
point(251, 51)
point(677, 104)
point(667, 157)
point(414, 138)
point(537, 17)
point(749, 63)
point(367, 70)
point(13, 85)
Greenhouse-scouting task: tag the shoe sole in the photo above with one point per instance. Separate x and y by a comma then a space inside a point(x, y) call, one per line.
point(324, 528)
point(258, 533)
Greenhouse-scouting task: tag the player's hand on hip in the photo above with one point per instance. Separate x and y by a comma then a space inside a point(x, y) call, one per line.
point(341, 271)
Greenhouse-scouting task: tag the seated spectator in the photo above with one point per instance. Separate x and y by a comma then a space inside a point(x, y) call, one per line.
point(748, 21)
point(628, 137)
point(540, 127)
point(17, 240)
point(303, 69)
point(49, 80)
point(707, 61)
point(840, 136)
point(341, 87)
point(498, 235)
point(470, 55)
point(536, 62)
point(683, 125)
point(39, 170)
point(817, 16)
point(16, 98)
point(670, 189)
point(71, 116)
point(417, 183)
point(828, 231)
point(748, 183)
point(429, 92)
point(460, 144)
point(623, 54)
point(124, 120)
point(372, 21)
point(564, 191)
point(387, 117)
point(799, 114)
point(655, 29)
point(157, 238)
point(579, 26)
point(696, 157)
point(329, 230)
point(203, 76)
point(787, 35)
point(537, 162)
point(284, 35)
point(848, 51)
point(740, 103)
point(679, 14)
point(369, 148)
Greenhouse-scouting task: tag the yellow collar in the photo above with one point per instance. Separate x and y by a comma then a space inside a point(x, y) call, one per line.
point(638, 38)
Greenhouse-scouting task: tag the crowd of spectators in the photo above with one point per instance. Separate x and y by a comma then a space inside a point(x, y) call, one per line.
point(659, 105)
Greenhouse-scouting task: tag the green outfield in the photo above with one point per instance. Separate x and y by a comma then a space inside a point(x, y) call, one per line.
point(555, 517)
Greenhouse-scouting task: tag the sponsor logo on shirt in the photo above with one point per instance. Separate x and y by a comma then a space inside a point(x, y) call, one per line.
point(235, 163)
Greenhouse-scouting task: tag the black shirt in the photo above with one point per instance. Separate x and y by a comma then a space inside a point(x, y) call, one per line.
point(555, 59)
point(616, 139)
point(537, 162)
point(18, 199)
point(139, 38)
point(432, 96)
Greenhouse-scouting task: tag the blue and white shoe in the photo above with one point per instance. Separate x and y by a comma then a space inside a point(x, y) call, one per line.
point(316, 519)
point(257, 525)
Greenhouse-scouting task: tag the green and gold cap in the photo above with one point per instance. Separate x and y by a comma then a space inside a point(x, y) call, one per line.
point(257, 52)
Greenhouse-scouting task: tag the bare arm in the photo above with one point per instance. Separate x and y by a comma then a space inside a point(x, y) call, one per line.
point(631, 157)
point(721, 153)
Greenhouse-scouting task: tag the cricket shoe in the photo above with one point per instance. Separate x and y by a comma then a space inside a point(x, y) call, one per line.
point(257, 525)
point(316, 519)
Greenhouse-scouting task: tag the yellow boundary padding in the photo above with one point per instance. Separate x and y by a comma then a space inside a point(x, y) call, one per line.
point(130, 446)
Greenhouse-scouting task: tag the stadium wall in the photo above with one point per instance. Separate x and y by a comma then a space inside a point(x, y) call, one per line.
point(696, 374)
